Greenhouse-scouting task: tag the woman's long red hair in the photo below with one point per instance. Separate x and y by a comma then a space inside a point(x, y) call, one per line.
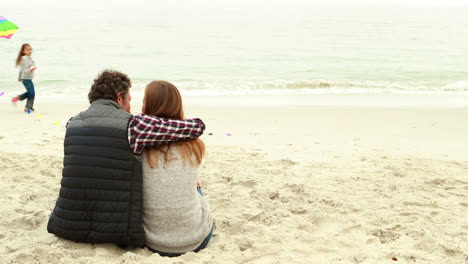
point(163, 99)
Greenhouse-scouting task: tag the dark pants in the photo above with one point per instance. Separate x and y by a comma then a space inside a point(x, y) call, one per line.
point(202, 246)
point(29, 94)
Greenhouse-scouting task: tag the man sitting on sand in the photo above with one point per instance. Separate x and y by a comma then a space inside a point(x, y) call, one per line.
point(100, 199)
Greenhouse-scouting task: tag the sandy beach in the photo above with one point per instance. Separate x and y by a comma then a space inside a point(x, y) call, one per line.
point(316, 181)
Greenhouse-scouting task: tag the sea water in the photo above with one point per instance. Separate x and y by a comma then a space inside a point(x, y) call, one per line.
point(253, 47)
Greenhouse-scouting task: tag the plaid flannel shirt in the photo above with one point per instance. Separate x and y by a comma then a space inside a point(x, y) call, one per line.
point(145, 131)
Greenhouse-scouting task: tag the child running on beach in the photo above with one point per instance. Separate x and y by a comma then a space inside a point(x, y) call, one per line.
point(26, 75)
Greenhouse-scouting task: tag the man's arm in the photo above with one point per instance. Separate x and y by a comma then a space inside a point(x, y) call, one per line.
point(145, 130)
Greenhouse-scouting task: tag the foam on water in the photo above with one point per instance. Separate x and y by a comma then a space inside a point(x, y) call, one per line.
point(279, 87)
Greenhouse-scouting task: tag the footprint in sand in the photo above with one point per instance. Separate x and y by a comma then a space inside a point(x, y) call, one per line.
point(28, 198)
point(244, 244)
point(47, 173)
point(295, 188)
point(351, 229)
point(286, 162)
point(29, 220)
point(227, 178)
point(386, 235)
point(273, 195)
point(298, 211)
point(58, 164)
point(249, 183)
point(319, 221)
point(436, 182)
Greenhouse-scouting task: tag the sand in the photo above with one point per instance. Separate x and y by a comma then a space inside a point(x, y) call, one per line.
point(317, 181)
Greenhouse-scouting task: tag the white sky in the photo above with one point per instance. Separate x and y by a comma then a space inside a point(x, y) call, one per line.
point(83, 4)
point(404, 2)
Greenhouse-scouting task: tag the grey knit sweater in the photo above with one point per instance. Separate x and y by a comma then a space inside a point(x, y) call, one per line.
point(26, 65)
point(176, 218)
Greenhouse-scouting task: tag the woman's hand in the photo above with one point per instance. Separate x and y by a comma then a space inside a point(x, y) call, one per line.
point(19, 80)
point(33, 68)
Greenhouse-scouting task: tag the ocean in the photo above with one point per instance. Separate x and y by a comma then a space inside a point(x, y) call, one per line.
point(242, 47)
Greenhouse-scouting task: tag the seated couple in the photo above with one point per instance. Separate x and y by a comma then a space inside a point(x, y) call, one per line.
point(132, 180)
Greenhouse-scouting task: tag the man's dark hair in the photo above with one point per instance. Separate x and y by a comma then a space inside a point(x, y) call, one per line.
point(108, 84)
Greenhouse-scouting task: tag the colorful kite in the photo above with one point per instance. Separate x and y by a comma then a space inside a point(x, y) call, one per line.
point(7, 29)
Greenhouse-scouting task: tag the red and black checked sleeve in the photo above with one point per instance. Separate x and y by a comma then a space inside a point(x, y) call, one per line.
point(145, 130)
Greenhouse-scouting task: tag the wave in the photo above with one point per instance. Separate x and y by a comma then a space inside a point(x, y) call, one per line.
point(54, 81)
point(268, 87)
point(456, 86)
point(321, 86)
point(257, 85)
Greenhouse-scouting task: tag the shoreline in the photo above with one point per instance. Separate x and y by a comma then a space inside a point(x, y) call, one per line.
point(436, 131)
point(325, 100)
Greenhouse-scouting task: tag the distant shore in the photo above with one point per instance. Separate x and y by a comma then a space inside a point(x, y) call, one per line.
point(329, 100)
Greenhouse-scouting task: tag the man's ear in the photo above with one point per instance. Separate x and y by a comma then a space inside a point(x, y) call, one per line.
point(120, 98)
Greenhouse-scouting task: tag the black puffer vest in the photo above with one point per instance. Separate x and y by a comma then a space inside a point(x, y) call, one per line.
point(100, 198)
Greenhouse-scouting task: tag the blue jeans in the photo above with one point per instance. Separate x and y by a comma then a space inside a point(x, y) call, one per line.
point(30, 94)
point(202, 245)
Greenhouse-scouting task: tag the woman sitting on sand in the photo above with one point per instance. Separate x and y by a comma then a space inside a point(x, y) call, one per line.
point(177, 218)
